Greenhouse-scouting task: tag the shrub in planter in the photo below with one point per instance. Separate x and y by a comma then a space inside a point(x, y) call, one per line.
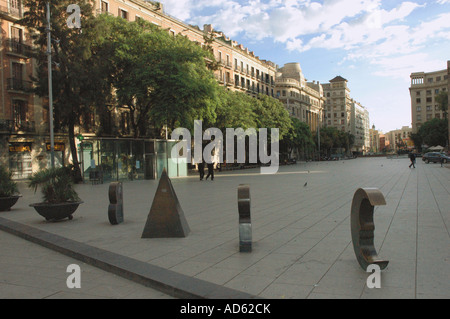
point(60, 198)
point(9, 192)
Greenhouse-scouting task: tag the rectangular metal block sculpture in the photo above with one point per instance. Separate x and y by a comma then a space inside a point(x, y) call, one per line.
point(245, 222)
point(166, 218)
point(115, 209)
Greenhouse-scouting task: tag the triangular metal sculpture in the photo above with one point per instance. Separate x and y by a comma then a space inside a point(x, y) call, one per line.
point(166, 218)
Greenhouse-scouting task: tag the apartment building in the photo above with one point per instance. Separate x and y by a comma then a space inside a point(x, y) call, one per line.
point(359, 127)
point(424, 89)
point(374, 137)
point(400, 139)
point(346, 114)
point(303, 100)
point(23, 146)
point(338, 105)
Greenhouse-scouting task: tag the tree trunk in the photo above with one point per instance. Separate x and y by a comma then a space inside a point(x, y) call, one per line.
point(73, 150)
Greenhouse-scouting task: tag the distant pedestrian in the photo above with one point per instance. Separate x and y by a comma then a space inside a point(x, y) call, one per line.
point(210, 171)
point(412, 158)
point(201, 169)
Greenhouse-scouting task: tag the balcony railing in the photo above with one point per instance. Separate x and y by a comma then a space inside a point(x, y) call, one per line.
point(9, 126)
point(19, 85)
point(8, 10)
point(15, 47)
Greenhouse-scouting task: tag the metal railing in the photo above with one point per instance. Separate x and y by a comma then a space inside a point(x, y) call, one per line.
point(16, 47)
point(19, 85)
point(10, 126)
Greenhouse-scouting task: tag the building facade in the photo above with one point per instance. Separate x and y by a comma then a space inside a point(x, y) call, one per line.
point(400, 139)
point(303, 100)
point(359, 127)
point(424, 89)
point(346, 114)
point(338, 106)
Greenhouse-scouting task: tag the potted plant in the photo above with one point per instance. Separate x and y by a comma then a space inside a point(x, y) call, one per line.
point(9, 192)
point(60, 198)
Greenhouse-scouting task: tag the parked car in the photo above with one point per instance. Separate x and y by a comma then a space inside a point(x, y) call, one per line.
point(435, 157)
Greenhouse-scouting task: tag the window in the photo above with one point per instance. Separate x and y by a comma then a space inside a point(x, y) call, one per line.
point(418, 93)
point(17, 71)
point(436, 91)
point(14, 6)
point(419, 109)
point(438, 79)
point(430, 80)
point(16, 34)
point(429, 99)
point(429, 117)
point(123, 14)
point(20, 110)
point(418, 100)
point(429, 108)
point(105, 7)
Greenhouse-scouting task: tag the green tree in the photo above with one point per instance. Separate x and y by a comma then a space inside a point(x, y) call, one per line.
point(434, 132)
point(298, 138)
point(271, 113)
point(78, 82)
point(160, 79)
point(442, 99)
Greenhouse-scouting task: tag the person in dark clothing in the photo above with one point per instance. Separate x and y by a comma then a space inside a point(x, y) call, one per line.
point(201, 169)
point(210, 171)
point(412, 158)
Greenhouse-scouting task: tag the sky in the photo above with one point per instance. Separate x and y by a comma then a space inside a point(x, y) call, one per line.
point(374, 44)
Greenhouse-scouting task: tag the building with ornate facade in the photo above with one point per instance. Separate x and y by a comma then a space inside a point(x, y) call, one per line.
point(303, 100)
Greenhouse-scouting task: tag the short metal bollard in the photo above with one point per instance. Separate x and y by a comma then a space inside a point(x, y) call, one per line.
point(362, 227)
point(115, 209)
point(245, 223)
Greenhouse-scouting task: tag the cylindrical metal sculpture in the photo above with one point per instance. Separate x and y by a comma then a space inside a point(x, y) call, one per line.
point(363, 227)
point(115, 209)
point(245, 223)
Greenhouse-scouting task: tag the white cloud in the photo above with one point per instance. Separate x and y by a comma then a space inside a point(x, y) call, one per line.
point(364, 29)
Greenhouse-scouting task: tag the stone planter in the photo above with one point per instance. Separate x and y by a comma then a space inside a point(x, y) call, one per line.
point(7, 202)
point(55, 212)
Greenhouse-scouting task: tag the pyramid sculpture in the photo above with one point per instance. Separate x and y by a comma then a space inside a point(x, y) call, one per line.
point(166, 218)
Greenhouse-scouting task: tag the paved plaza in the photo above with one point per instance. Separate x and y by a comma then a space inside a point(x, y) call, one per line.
point(302, 246)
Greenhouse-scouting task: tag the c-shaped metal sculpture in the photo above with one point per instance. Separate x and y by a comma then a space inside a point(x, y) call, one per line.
point(245, 222)
point(362, 226)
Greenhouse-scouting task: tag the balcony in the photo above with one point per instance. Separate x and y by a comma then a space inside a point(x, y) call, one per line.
point(16, 48)
point(8, 11)
point(12, 127)
point(14, 85)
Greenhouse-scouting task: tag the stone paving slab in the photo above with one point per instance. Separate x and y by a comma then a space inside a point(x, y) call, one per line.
point(302, 241)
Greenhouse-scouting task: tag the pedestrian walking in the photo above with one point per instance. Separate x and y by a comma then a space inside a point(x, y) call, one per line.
point(412, 158)
point(210, 171)
point(201, 169)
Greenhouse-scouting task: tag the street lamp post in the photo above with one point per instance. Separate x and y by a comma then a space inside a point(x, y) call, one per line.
point(50, 88)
